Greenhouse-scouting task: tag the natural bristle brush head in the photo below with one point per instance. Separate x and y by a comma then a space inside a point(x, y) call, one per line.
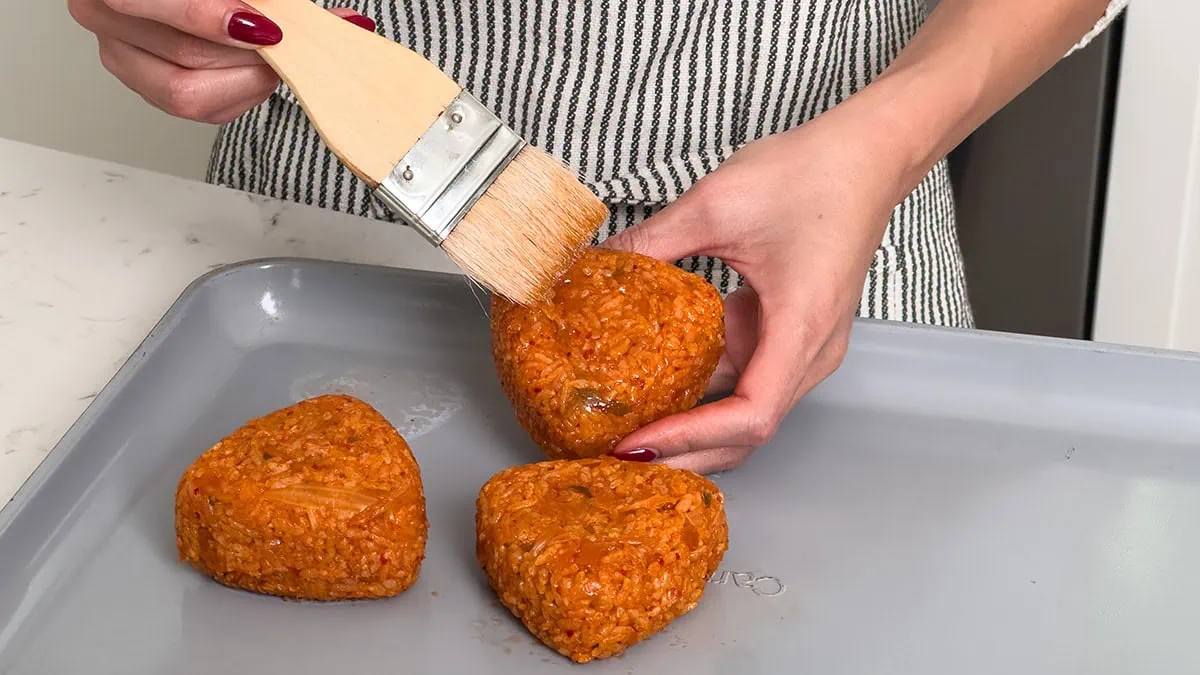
point(527, 229)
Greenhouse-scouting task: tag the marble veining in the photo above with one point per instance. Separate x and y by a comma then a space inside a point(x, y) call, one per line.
point(94, 253)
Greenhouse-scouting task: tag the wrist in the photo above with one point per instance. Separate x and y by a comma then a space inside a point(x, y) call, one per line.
point(911, 117)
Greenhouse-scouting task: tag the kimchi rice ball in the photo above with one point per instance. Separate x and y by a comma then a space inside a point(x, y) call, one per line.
point(594, 555)
point(321, 500)
point(624, 341)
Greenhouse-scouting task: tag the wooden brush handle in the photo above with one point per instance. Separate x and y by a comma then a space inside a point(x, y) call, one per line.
point(369, 98)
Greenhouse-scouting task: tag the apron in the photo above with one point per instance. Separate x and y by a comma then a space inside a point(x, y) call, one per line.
point(641, 98)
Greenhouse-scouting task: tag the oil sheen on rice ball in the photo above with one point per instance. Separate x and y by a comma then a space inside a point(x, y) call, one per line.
point(594, 555)
point(321, 500)
point(624, 341)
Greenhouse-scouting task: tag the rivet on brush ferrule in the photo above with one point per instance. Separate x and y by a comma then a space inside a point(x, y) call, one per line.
point(449, 168)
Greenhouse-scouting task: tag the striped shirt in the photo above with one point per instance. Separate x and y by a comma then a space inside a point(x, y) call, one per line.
point(641, 98)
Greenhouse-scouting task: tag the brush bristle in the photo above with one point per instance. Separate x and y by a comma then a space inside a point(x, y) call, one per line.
point(527, 229)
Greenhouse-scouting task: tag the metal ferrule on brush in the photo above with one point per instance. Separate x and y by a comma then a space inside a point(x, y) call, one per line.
point(449, 168)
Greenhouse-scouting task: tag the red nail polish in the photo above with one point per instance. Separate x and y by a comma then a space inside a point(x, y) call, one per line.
point(364, 22)
point(636, 455)
point(254, 29)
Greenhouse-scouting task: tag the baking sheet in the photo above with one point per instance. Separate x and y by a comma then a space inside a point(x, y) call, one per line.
point(948, 502)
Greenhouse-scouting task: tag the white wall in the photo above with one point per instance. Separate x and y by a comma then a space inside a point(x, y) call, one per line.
point(1149, 282)
point(56, 94)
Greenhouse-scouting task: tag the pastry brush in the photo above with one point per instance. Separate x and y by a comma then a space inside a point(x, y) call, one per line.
point(509, 215)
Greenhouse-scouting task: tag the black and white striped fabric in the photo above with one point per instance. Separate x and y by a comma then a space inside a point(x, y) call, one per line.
point(642, 98)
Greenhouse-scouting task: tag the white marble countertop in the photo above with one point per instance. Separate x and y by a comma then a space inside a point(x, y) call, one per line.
point(91, 256)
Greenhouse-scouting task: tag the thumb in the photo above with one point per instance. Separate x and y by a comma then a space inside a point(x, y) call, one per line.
point(735, 422)
point(672, 234)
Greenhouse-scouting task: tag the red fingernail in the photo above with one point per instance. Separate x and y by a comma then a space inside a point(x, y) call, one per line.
point(254, 29)
point(361, 21)
point(636, 455)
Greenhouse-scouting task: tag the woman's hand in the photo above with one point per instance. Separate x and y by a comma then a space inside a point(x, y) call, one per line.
point(192, 58)
point(800, 216)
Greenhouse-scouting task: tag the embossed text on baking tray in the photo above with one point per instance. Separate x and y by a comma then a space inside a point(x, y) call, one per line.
point(766, 586)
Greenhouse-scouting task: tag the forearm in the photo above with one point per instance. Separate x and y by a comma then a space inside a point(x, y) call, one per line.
point(969, 59)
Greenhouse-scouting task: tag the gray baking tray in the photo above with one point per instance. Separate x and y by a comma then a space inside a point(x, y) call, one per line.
point(949, 502)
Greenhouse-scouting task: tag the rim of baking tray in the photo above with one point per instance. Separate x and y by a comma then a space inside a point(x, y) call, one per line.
point(164, 326)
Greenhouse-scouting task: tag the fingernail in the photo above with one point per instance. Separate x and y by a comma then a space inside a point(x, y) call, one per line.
point(254, 29)
point(361, 21)
point(636, 455)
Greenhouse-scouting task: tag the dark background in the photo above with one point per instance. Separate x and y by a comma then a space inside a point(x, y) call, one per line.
point(1029, 187)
